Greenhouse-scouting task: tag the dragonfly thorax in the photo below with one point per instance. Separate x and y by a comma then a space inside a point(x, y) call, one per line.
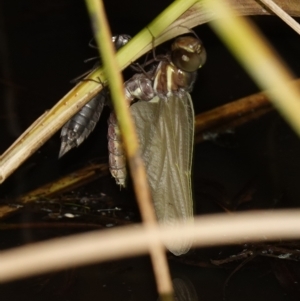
point(169, 80)
point(177, 73)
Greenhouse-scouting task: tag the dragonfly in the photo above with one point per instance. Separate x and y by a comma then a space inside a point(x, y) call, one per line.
point(79, 127)
point(164, 119)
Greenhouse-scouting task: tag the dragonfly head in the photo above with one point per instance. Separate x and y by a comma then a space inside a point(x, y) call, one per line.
point(188, 53)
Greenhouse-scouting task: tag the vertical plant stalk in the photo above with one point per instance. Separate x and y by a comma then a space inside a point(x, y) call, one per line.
point(129, 136)
point(259, 59)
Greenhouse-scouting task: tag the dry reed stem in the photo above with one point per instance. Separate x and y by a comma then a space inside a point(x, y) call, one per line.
point(282, 15)
point(199, 14)
point(231, 115)
point(99, 246)
point(131, 145)
point(213, 133)
point(73, 180)
point(259, 59)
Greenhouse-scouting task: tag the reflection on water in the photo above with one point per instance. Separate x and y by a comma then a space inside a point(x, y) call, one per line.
point(184, 290)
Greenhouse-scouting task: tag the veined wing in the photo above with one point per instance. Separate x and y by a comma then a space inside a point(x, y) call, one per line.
point(166, 131)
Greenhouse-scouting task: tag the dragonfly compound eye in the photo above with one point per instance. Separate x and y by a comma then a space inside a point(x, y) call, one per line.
point(188, 54)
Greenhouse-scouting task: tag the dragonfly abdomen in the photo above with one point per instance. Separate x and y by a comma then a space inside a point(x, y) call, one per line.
point(139, 86)
point(117, 160)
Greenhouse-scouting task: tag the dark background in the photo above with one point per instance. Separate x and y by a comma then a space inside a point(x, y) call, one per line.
point(42, 47)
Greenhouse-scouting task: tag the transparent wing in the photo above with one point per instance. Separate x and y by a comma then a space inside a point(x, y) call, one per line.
point(166, 132)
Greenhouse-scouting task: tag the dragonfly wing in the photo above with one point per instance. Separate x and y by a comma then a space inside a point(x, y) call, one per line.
point(166, 132)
